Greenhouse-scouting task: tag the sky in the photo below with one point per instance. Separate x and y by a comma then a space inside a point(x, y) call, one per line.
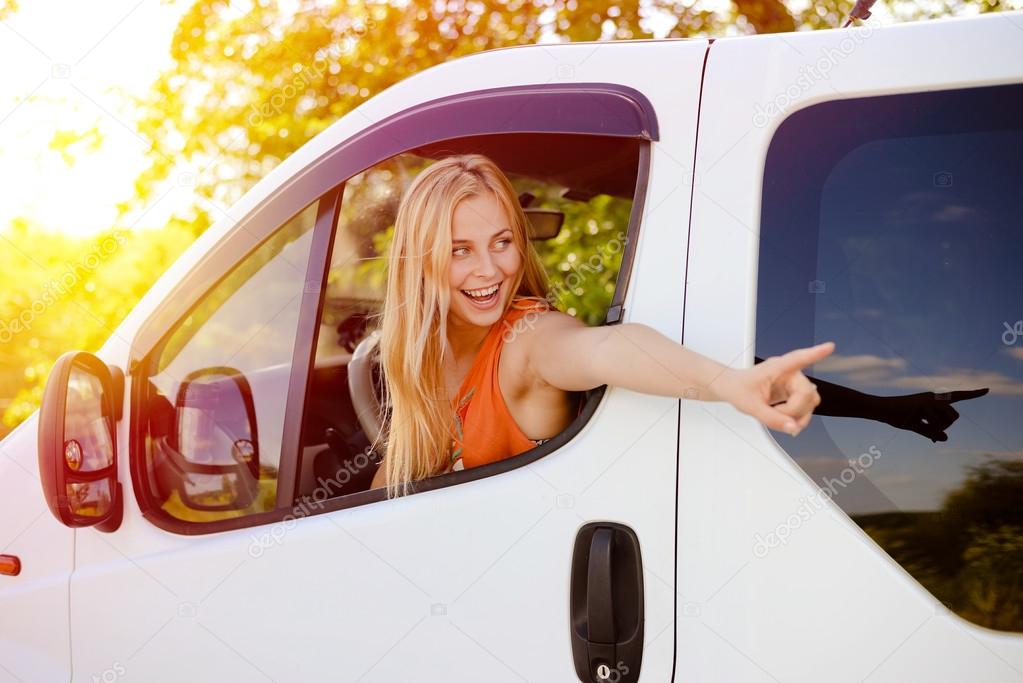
point(69, 66)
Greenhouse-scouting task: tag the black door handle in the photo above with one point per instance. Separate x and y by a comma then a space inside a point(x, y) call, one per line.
point(599, 596)
point(607, 603)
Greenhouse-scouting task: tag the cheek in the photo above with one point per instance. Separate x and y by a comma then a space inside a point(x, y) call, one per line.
point(456, 274)
point(510, 261)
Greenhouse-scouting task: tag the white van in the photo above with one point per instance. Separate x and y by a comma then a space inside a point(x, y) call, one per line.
point(207, 471)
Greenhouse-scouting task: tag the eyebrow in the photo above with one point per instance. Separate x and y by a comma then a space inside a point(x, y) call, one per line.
point(499, 232)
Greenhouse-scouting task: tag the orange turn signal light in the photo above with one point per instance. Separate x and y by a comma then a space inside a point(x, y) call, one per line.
point(10, 565)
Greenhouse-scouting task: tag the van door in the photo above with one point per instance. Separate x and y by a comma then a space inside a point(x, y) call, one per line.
point(37, 559)
point(860, 186)
point(237, 558)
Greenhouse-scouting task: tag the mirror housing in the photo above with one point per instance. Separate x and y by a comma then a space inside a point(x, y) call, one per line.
point(544, 224)
point(211, 457)
point(77, 450)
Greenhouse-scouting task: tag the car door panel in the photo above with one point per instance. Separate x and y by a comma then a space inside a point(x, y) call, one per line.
point(466, 582)
point(827, 602)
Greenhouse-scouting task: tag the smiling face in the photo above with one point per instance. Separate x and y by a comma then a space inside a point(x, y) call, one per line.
point(483, 255)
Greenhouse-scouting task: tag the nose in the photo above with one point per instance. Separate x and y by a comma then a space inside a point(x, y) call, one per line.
point(485, 268)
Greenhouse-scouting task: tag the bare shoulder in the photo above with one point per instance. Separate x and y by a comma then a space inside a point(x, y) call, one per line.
point(540, 408)
point(532, 334)
point(537, 325)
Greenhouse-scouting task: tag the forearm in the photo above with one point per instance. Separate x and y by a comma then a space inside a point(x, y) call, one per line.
point(637, 357)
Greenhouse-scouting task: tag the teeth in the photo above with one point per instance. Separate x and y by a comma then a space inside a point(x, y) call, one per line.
point(481, 293)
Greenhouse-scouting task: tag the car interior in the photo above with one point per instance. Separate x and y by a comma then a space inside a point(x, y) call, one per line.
point(558, 176)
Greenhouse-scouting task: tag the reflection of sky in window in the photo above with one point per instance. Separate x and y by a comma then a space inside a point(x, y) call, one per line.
point(254, 328)
point(247, 332)
point(920, 254)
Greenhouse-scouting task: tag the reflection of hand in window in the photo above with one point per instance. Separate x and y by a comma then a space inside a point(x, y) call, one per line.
point(927, 413)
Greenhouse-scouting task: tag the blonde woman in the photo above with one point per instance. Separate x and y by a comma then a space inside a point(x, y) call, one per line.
point(462, 279)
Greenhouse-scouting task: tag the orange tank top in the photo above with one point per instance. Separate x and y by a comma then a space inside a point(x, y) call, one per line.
point(486, 431)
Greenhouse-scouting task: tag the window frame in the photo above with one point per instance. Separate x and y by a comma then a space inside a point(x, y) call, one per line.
point(541, 108)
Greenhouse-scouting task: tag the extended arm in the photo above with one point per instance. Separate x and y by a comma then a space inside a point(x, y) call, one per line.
point(567, 354)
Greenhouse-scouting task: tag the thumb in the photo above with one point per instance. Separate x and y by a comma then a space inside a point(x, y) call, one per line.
point(800, 358)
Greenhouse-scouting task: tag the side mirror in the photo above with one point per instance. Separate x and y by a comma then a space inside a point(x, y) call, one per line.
point(211, 457)
point(544, 224)
point(78, 442)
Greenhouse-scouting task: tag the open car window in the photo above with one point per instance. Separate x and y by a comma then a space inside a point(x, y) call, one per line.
point(585, 182)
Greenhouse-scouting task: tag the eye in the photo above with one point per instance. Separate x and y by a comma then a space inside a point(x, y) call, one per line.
point(505, 240)
point(458, 249)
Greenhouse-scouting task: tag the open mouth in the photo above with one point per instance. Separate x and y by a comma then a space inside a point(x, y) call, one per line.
point(484, 296)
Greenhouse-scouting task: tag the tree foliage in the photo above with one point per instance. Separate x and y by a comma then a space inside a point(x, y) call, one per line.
point(968, 554)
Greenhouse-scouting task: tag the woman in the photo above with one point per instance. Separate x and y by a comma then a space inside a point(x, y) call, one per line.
point(479, 368)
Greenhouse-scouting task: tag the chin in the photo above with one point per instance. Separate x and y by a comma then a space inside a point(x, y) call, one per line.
point(484, 318)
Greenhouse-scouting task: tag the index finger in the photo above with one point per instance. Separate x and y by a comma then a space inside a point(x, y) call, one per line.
point(800, 358)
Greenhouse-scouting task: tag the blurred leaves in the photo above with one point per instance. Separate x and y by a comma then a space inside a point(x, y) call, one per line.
point(65, 293)
point(70, 143)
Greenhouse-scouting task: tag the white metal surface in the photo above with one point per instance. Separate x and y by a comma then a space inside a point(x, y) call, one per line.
point(34, 642)
point(830, 604)
point(466, 583)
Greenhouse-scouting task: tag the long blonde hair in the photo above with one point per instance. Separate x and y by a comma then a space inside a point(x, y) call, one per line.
point(418, 415)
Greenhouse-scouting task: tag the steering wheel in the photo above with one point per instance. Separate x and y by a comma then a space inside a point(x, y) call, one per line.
point(360, 385)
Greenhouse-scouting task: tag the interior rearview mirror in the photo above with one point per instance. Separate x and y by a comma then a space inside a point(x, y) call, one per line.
point(544, 224)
